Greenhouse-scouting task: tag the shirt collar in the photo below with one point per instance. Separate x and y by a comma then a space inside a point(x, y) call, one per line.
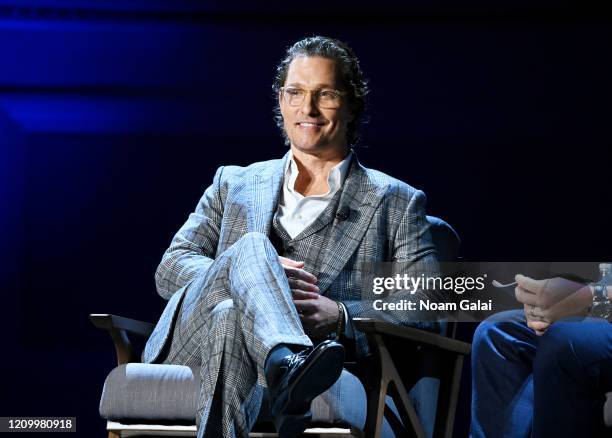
point(335, 179)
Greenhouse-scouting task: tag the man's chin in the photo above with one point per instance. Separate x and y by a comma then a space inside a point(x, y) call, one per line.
point(308, 146)
point(313, 146)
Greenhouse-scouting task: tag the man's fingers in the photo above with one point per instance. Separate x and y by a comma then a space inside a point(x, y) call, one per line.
point(304, 295)
point(534, 313)
point(305, 307)
point(525, 297)
point(300, 274)
point(539, 326)
point(294, 283)
point(529, 284)
point(288, 262)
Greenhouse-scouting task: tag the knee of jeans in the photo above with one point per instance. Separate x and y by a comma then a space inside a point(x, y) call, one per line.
point(555, 347)
point(482, 337)
point(492, 336)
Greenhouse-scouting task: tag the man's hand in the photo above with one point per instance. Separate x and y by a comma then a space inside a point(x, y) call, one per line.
point(544, 293)
point(534, 321)
point(319, 314)
point(546, 301)
point(302, 283)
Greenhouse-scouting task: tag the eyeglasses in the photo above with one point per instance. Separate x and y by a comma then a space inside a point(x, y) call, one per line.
point(324, 98)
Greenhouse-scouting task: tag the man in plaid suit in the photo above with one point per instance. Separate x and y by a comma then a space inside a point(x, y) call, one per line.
point(271, 260)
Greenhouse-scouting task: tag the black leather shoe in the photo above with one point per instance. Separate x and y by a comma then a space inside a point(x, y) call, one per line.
point(303, 376)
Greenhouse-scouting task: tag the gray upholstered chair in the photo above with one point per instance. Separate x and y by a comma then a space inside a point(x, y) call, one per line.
point(160, 400)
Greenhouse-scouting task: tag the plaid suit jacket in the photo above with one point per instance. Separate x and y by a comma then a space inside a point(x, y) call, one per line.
point(387, 223)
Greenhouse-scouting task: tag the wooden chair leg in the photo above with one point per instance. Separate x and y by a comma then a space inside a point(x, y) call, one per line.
point(448, 394)
point(391, 382)
point(376, 409)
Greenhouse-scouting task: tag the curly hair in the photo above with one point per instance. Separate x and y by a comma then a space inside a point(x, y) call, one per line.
point(351, 77)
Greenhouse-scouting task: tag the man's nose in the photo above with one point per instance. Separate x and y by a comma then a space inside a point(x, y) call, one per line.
point(309, 106)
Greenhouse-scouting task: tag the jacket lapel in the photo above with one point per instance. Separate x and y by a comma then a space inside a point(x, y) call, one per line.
point(326, 216)
point(361, 196)
point(265, 188)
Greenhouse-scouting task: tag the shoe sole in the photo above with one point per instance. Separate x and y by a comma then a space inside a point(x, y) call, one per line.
point(319, 376)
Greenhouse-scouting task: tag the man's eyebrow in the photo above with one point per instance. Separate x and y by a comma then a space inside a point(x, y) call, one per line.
point(300, 85)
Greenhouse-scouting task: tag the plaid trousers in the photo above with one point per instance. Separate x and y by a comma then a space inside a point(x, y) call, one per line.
point(229, 321)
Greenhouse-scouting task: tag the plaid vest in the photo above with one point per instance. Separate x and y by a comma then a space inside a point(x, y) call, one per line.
point(307, 245)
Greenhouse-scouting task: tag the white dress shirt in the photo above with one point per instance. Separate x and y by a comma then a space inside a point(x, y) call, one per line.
point(296, 211)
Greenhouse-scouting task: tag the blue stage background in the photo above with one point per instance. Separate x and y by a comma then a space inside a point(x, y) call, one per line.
point(115, 114)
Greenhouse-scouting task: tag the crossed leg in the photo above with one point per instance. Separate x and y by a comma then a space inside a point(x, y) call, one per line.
point(229, 321)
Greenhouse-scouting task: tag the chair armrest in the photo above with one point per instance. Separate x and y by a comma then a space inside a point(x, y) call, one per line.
point(106, 321)
point(373, 327)
point(118, 328)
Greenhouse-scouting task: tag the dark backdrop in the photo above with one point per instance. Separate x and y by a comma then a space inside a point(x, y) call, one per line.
point(114, 116)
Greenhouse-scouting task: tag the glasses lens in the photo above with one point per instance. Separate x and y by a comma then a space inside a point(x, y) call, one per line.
point(293, 96)
point(328, 99)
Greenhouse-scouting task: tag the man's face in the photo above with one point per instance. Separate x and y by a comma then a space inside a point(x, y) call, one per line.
point(309, 127)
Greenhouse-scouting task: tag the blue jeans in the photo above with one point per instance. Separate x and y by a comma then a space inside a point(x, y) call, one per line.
point(542, 386)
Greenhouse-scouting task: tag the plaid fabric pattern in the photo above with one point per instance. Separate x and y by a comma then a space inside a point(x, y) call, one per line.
point(229, 320)
point(222, 257)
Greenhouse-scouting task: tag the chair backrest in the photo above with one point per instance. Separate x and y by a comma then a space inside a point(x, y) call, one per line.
point(446, 241)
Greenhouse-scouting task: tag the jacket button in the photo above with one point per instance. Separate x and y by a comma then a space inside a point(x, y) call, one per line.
point(290, 249)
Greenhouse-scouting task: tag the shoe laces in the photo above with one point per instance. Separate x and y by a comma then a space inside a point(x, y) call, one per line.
point(297, 357)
